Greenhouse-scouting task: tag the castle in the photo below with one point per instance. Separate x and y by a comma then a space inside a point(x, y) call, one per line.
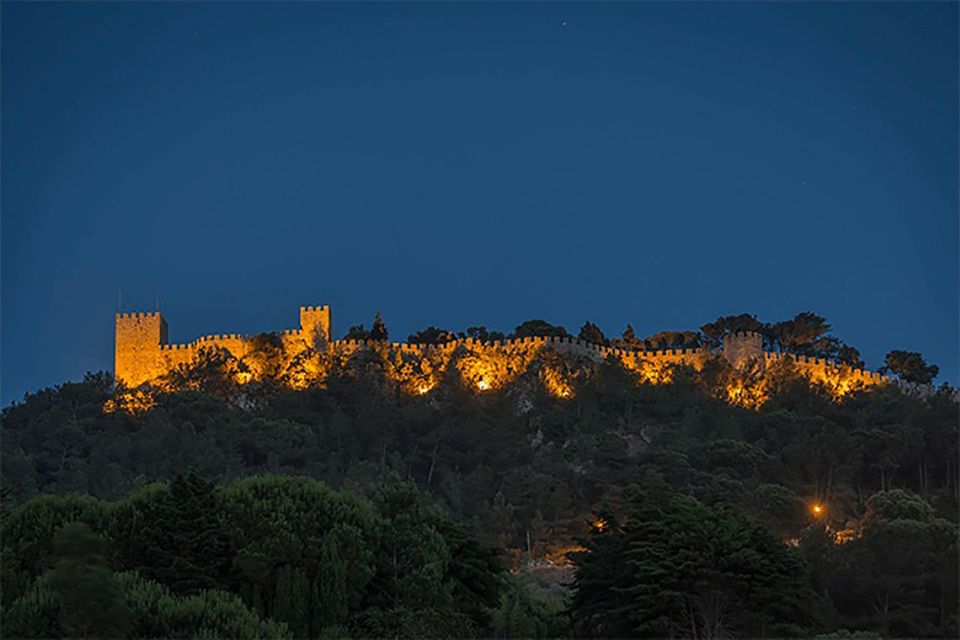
point(144, 355)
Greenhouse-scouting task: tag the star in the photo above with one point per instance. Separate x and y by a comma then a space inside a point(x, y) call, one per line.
point(563, 23)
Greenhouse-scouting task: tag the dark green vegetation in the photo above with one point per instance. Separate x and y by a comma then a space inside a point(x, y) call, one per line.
point(267, 556)
point(379, 510)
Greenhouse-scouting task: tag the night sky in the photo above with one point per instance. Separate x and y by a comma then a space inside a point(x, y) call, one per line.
point(448, 164)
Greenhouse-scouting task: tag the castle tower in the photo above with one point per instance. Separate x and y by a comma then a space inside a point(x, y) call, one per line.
point(315, 325)
point(139, 337)
point(741, 347)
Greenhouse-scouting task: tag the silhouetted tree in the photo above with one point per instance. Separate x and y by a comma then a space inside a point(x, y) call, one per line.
point(802, 333)
point(379, 330)
point(628, 340)
point(910, 366)
point(91, 604)
point(176, 537)
point(480, 333)
point(357, 332)
point(432, 335)
point(850, 356)
point(713, 332)
point(673, 340)
point(538, 328)
point(592, 333)
point(677, 566)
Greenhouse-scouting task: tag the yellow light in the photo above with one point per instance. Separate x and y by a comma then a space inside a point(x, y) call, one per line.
point(600, 524)
point(817, 509)
point(423, 389)
point(483, 385)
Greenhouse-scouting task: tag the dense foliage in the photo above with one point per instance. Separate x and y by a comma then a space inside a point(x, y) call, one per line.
point(678, 567)
point(686, 515)
point(267, 556)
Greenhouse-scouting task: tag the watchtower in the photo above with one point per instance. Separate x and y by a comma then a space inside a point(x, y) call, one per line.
point(315, 325)
point(139, 337)
point(742, 347)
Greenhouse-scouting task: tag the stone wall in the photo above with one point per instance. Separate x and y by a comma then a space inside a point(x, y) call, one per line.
point(143, 354)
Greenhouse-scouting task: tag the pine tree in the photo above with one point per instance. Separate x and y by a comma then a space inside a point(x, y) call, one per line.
point(332, 588)
point(291, 600)
point(379, 330)
point(175, 537)
point(592, 333)
point(91, 604)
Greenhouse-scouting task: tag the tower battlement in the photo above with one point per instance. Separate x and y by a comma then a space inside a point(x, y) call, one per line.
point(139, 339)
point(743, 347)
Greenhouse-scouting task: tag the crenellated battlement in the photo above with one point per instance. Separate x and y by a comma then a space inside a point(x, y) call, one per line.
point(143, 354)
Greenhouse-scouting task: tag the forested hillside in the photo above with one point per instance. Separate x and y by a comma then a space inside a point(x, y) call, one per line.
point(628, 509)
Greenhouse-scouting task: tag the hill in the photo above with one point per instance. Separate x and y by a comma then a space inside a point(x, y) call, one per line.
point(825, 486)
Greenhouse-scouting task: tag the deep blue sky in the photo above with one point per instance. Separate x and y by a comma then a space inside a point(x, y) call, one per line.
point(449, 164)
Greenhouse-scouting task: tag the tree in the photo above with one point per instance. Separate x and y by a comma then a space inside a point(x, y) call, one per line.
point(332, 595)
point(212, 371)
point(673, 340)
point(474, 572)
point(291, 603)
point(538, 328)
point(523, 615)
point(299, 522)
point(592, 333)
point(30, 530)
point(267, 355)
point(357, 332)
point(801, 334)
point(7, 493)
point(714, 332)
point(901, 576)
point(379, 329)
point(628, 339)
point(679, 567)
point(414, 557)
point(910, 366)
point(175, 535)
point(849, 356)
point(896, 504)
point(158, 613)
point(90, 601)
point(432, 335)
point(480, 333)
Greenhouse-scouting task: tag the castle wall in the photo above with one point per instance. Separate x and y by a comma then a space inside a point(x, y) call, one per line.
point(143, 355)
point(841, 378)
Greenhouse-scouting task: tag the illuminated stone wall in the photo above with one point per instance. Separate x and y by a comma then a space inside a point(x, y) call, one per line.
point(143, 355)
point(839, 378)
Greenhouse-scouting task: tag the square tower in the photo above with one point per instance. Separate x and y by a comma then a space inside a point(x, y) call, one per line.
point(315, 325)
point(139, 338)
point(742, 348)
